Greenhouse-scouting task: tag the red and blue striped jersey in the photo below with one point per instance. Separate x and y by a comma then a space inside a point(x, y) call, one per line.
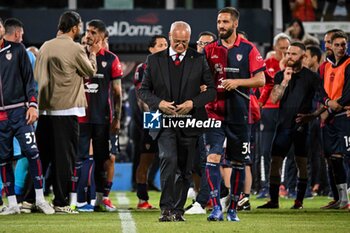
point(98, 88)
point(241, 61)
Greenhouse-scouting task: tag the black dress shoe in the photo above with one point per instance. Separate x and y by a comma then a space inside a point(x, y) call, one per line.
point(179, 218)
point(269, 205)
point(166, 216)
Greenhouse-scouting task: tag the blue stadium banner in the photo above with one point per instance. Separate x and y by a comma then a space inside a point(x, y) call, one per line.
point(136, 26)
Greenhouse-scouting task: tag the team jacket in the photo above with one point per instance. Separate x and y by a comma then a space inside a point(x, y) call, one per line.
point(241, 61)
point(17, 85)
point(336, 80)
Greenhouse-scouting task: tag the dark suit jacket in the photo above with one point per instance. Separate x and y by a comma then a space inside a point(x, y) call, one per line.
point(156, 84)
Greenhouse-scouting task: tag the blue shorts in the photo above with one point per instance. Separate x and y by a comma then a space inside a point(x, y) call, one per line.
point(147, 144)
point(336, 136)
point(248, 160)
point(224, 162)
point(16, 126)
point(99, 134)
point(238, 141)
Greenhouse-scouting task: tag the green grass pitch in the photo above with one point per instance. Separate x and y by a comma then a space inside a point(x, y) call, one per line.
point(310, 219)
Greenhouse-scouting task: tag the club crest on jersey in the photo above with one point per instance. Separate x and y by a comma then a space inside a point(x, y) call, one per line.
point(259, 58)
point(218, 68)
point(104, 64)
point(8, 55)
point(239, 57)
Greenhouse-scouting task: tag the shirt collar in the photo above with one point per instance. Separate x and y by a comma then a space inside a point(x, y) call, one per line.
point(236, 44)
point(332, 60)
point(172, 53)
point(4, 44)
point(101, 52)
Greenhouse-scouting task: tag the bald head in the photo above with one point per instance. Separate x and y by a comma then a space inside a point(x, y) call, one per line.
point(179, 36)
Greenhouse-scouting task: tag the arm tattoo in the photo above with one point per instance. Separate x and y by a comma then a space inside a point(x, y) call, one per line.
point(117, 98)
point(277, 93)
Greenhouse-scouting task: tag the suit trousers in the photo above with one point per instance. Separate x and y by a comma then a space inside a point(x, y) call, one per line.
point(176, 153)
point(57, 138)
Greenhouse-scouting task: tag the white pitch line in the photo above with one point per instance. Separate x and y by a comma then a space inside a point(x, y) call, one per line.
point(127, 222)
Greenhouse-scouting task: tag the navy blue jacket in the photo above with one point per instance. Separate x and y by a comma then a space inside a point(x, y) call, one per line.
point(16, 76)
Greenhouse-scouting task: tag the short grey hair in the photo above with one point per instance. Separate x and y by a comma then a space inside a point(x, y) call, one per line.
point(180, 24)
point(280, 36)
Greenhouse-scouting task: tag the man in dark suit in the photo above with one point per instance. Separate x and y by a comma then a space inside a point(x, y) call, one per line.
point(171, 84)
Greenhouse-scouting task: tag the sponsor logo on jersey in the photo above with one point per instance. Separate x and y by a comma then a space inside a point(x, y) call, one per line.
point(232, 70)
point(218, 68)
point(91, 87)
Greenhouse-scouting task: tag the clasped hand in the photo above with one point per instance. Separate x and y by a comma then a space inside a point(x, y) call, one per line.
point(170, 108)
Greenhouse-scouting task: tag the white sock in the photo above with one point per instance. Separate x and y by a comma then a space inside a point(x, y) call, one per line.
point(93, 202)
point(99, 197)
point(80, 204)
point(141, 201)
point(72, 199)
point(343, 193)
point(39, 195)
point(12, 200)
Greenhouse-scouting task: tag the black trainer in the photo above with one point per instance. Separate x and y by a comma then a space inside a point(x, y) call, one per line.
point(243, 204)
point(269, 205)
point(297, 205)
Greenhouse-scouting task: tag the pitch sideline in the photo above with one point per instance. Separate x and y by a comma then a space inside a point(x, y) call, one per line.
point(127, 222)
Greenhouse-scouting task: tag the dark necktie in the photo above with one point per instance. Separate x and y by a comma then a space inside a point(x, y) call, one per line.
point(177, 60)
